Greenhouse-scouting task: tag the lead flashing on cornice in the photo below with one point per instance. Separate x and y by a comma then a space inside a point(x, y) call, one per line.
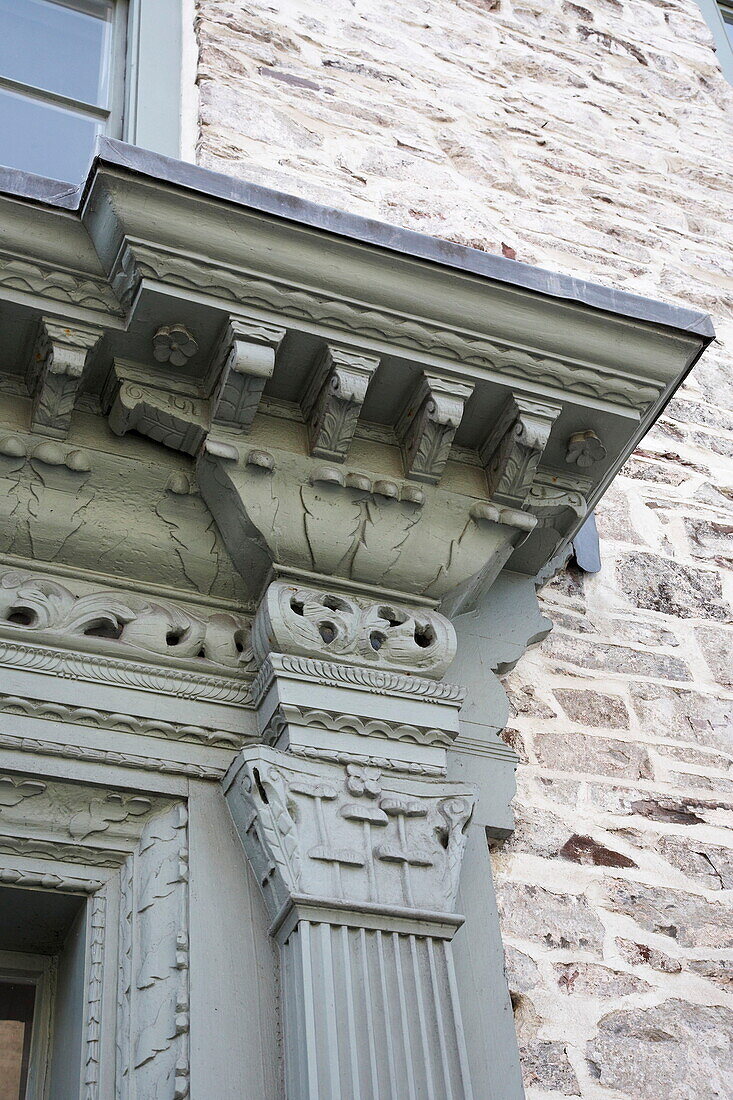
point(381, 235)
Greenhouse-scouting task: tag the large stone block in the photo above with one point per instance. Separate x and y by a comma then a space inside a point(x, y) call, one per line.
point(557, 920)
point(641, 954)
point(706, 864)
point(592, 755)
point(688, 919)
point(612, 658)
point(681, 715)
point(674, 1050)
point(665, 585)
point(590, 980)
point(593, 708)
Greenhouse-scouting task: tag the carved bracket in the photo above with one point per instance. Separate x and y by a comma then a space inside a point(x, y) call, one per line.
point(369, 533)
point(332, 400)
point(428, 424)
point(60, 354)
point(513, 450)
point(241, 366)
point(558, 499)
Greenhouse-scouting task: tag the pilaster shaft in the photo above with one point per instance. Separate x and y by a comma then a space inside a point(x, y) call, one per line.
point(356, 838)
point(371, 1013)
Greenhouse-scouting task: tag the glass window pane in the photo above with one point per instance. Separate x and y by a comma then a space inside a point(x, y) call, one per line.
point(17, 1000)
point(727, 14)
point(47, 140)
point(52, 46)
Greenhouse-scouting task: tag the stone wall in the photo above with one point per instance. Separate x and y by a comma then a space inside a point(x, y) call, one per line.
point(595, 140)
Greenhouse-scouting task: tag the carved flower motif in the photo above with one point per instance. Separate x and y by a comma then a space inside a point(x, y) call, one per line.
point(363, 781)
point(174, 344)
point(585, 449)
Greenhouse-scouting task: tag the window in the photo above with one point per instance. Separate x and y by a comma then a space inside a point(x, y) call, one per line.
point(26, 983)
point(719, 17)
point(43, 941)
point(726, 10)
point(17, 1003)
point(61, 82)
point(73, 69)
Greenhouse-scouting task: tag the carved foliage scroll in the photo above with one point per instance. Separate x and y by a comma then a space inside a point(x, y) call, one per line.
point(354, 630)
point(152, 988)
point(160, 969)
point(108, 622)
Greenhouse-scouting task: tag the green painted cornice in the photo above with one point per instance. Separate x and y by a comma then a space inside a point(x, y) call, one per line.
point(389, 365)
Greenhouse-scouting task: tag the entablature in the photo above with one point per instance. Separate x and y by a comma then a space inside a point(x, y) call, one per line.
point(377, 378)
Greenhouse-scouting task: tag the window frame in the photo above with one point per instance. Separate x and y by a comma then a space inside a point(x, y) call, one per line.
point(711, 10)
point(40, 971)
point(153, 76)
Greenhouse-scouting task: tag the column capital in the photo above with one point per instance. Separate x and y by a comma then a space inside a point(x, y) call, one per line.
point(373, 848)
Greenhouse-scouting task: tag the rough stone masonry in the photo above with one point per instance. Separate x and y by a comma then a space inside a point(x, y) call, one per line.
point(594, 139)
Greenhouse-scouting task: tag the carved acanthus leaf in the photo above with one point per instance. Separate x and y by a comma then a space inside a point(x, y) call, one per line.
point(354, 630)
point(513, 450)
point(100, 813)
point(333, 398)
point(241, 366)
point(67, 812)
point(60, 354)
point(13, 790)
point(428, 424)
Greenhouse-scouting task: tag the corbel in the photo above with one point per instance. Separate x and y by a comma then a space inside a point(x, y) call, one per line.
point(428, 424)
point(513, 450)
point(177, 420)
point(333, 398)
point(242, 363)
point(60, 355)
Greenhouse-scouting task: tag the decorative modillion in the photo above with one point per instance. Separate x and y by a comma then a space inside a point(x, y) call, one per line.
point(60, 356)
